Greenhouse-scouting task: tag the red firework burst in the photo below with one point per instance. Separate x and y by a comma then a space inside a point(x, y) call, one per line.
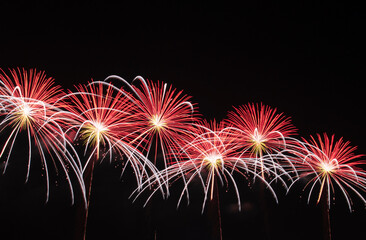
point(332, 164)
point(165, 118)
point(261, 130)
point(27, 99)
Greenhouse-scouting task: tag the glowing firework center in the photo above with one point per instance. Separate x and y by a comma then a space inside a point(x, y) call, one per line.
point(213, 160)
point(157, 122)
point(26, 110)
point(94, 132)
point(24, 114)
point(329, 167)
point(258, 142)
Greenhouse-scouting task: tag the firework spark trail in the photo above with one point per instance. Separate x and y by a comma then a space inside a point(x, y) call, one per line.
point(213, 153)
point(331, 164)
point(27, 100)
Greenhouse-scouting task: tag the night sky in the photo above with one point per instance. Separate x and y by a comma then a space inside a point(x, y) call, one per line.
point(304, 59)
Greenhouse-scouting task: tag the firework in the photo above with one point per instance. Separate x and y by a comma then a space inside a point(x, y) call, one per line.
point(261, 130)
point(213, 156)
point(331, 164)
point(165, 118)
point(27, 99)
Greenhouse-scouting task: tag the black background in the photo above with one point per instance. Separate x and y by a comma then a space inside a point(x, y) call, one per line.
point(305, 59)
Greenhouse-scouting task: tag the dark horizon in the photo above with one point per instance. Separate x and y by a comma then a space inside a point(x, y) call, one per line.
point(303, 59)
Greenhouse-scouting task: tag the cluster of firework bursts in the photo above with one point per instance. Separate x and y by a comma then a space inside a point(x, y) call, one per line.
point(158, 132)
